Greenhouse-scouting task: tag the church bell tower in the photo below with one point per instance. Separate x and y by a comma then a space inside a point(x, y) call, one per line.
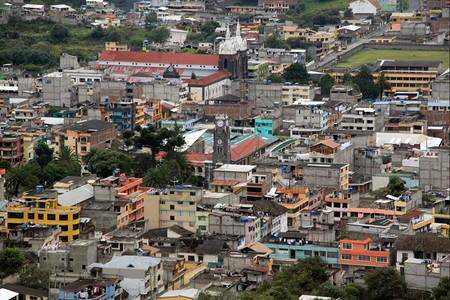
point(222, 154)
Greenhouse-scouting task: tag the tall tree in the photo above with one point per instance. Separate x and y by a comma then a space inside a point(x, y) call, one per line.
point(103, 162)
point(159, 35)
point(382, 84)
point(150, 20)
point(385, 284)
point(44, 154)
point(35, 277)
point(59, 33)
point(325, 83)
point(442, 290)
point(11, 261)
point(140, 164)
point(68, 159)
point(365, 81)
point(296, 73)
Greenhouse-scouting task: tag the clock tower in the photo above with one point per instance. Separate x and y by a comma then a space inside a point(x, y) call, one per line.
point(222, 154)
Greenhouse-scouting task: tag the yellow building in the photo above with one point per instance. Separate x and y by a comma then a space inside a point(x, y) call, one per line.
point(399, 17)
point(183, 272)
point(41, 207)
point(115, 46)
point(174, 206)
point(140, 115)
point(327, 39)
point(295, 200)
point(292, 93)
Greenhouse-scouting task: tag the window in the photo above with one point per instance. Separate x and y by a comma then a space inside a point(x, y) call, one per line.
point(41, 216)
point(83, 149)
point(192, 214)
point(30, 215)
point(51, 217)
point(180, 224)
point(332, 254)
point(191, 258)
point(308, 252)
point(347, 246)
point(163, 212)
point(76, 216)
point(192, 193)
point(162, 202)
point(191, 203)
point(172, 218)
point(63, 217)
point(75, 227)
point(191, 224)
point(64, 239)
point(381, 259)
point(64, 228)
point(14, 215)
point(172, 207)
point(202, 227)
point(346, 256)
point(363, 257)
point(202, 218)
point(180, 213)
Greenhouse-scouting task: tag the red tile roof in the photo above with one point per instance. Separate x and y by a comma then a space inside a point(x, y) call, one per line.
point(224, 182)
point(411, 214)
point(208, 79)
point(256, 269)
point(160, 57)
point(375, 3)
point(246, 148)
point(198, 159)
point(330, 143)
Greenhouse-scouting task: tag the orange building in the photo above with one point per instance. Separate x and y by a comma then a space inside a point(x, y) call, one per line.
point(83, 136)
point(295, 200)
point(128, 188)
point(355, 253)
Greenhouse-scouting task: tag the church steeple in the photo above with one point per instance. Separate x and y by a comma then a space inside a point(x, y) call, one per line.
point(227, 35)
point(238, 29)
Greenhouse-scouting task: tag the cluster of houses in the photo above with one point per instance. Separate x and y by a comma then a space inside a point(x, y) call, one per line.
point(284, 170)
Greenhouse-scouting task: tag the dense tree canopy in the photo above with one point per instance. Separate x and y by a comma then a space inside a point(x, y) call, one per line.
point(442, 290)
point(326, 82)
point(59, 33)
point(385, 284)
point(296, 73)
point(104, 162)
point(365, 81)
point(35, 277)
point(11, 261)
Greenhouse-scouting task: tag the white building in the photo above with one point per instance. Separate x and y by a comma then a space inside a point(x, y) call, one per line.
point(365, 7)
point(142, 275)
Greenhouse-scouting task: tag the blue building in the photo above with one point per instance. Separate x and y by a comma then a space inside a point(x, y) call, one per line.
point(124, 114)
point(88, 289)
point(285, 251)
point(264, 126)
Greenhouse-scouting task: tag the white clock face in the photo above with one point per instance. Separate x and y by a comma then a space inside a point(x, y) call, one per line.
point(220, 123)
point(219, 142)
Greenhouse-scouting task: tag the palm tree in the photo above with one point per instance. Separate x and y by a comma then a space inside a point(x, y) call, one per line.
point(68, 159)
point(383, 84)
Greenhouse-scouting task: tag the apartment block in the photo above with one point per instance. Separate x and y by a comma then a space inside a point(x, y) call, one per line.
point(174, 206)
point(362, 119)
point(11, 148)
point(85, 135)
point(293, 92)
point(41, 207)
point(361, 254)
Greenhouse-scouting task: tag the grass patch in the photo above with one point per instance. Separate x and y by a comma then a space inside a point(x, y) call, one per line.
point(371, 56)
point(324, 4)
